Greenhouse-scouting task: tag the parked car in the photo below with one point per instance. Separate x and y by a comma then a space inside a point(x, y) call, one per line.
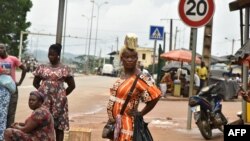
point(108, 69)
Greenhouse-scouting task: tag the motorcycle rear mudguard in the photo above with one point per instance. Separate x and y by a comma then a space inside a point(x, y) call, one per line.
point(203, 102)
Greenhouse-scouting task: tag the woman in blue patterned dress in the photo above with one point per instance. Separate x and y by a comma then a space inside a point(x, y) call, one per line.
point(4, 103)
point(49, 79)
point(7, 86)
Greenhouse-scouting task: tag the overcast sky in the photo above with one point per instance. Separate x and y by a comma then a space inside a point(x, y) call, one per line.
point(119, 17)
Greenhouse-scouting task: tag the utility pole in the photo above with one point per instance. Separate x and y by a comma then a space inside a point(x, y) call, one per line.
point(164, 42)
point(100, 58)
point(245, 68)
point(117, 41)
point(64, 32)
point(233, 41)
point(207, 44)
point(175, 37)
point(91, 23)
point(60, 21)
point(170, 35)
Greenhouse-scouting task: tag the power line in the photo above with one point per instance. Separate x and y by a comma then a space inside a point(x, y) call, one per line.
point(49, 34)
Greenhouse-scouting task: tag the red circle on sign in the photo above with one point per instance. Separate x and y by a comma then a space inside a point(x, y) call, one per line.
point(201, 22)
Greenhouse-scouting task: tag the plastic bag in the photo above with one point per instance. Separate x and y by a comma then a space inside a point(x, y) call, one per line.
point(7, 82)
point(141, 131)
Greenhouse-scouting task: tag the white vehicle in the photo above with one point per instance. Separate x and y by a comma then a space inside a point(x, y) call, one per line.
point(107, 69)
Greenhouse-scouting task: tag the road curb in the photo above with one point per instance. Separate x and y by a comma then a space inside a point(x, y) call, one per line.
point(174, 98)
point(180, 98)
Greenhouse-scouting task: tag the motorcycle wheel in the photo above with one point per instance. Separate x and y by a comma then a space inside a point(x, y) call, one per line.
point(205, 129)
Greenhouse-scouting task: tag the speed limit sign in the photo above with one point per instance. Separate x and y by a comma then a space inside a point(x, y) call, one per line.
point(196, 13)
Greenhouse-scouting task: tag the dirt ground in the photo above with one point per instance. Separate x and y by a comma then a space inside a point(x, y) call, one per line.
point(167, 122)
point(87, 109)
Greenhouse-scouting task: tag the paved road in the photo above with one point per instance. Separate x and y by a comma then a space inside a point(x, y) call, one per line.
point(87, 107)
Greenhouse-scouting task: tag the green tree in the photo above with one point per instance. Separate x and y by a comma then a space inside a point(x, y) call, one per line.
point(12, 21)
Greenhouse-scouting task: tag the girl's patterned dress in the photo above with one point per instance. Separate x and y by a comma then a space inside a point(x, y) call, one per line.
point(53, 86)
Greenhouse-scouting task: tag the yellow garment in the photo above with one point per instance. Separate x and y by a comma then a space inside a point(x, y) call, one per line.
point(202, 73)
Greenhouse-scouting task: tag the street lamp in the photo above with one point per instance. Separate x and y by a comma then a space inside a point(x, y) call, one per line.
point(87, 33)
point(37, 41)
point(90, 31)
point(86, 44)
point(97, 22)
point(233, 40)
point(21, 44)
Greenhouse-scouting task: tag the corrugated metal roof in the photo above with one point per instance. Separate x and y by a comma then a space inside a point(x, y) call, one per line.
point(243, 52)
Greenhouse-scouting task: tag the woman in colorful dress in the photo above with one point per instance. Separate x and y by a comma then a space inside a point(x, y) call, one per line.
point(49, 79)
point(145, 90)
point(39, 126)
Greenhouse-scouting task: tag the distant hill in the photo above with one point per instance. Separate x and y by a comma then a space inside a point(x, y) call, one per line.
point(42, 56)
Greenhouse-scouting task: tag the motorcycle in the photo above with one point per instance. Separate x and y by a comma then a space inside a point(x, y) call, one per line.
point(206, 107)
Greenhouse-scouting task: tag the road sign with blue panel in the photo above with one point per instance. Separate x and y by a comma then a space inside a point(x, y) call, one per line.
point(156, 32)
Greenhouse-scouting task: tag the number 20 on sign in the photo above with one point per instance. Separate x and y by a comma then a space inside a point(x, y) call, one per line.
point(196, 13)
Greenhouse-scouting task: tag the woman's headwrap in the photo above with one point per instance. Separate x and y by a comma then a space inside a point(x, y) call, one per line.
point(38, 94)
point(131, 41)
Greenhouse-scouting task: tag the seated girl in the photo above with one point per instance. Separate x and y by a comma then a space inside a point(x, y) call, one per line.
point(38, 126)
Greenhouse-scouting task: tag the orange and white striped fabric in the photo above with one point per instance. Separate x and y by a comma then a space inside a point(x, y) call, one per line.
point(144, 91)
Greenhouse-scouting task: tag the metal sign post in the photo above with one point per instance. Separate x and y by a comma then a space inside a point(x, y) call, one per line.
point(156, 33)
point(193, 43)
point(153, 67)
point(195, 14)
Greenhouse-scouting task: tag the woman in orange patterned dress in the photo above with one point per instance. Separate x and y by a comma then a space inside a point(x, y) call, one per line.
point(145, 91)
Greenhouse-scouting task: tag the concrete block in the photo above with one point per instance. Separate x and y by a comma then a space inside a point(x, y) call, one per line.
point(79, 134)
